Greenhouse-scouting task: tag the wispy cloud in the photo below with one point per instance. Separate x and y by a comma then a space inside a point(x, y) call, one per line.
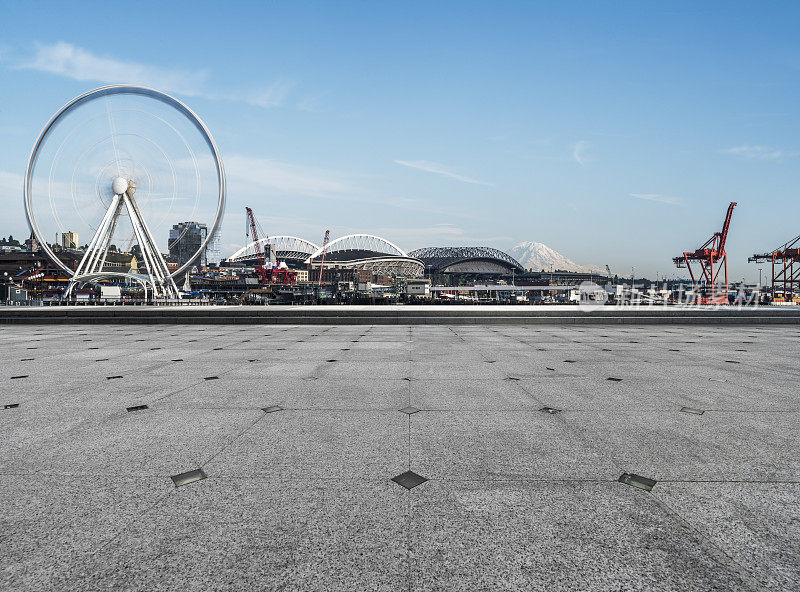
point(757, 152)
point(70, 61)
point(579, 150)
point(673, 201)
point(439, 169)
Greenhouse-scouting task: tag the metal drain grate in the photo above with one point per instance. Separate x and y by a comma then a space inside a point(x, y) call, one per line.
point(272, 409)
point(11, 406)
point(409, 479)
point(637, 481)
point(409, 410)
point(188, 477)
point(20, 376)
point(692, 410)
point(550, 410)
point(136, 408)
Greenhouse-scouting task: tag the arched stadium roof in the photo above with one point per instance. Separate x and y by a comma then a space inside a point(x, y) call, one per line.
point(286, 247)
point(466, 260)
point(358, 246)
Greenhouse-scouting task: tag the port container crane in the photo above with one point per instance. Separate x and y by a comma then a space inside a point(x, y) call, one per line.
point(706, 263)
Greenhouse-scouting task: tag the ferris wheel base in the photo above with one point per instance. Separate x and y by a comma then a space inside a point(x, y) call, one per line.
point(158, 280)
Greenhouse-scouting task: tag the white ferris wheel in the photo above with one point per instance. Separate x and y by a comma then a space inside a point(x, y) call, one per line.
point(126, 165)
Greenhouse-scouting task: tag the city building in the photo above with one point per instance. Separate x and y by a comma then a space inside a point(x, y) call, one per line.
point(69, 239)
point(185, 239)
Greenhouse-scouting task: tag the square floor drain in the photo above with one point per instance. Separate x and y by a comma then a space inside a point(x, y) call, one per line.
point(112, 377)
point(550, 410)
point(211, 378)
point(409, 479)
point(614, 379)
point(136, 408)
point(20, 376)
point(409, 410)
point(272, 409)
point(11, 406)
point(692, 410)
point(637, 481)
point(188, 477)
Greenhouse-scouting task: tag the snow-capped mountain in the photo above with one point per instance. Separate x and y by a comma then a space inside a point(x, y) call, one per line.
point(538, 256)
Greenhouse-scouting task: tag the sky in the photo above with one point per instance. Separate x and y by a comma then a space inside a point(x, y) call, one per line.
point(616, 133)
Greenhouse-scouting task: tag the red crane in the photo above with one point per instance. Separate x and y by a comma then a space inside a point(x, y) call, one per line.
point(784, 275)
point(322, 262)
point(711, 259)
point(274, 275)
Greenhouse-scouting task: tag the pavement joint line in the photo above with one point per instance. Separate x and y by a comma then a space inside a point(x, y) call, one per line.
point(716, 553)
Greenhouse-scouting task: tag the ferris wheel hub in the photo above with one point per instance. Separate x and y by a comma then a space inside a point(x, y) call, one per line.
point(119, 186)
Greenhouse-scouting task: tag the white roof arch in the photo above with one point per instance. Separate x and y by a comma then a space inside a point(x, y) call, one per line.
point(360, 242)
point(282, 244)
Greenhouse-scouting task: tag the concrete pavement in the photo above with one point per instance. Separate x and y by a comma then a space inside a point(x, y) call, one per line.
point(302, 498)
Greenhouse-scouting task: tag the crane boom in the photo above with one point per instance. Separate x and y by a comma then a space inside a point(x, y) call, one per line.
point(725, 227)
point(322, 261)
point(252, 233)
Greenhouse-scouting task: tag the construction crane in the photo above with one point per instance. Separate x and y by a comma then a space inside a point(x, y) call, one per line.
point(711, 260)
point(322, 261)
point(784, 272)
point(273, 275)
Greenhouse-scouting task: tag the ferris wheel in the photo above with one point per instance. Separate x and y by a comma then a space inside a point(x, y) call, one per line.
point(126, 165)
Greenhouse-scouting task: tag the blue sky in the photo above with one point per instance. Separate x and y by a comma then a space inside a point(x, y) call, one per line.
point(616, 133)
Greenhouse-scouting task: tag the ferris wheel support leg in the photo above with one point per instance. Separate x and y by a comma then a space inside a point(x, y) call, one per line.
point(167, 281)
point(162, 282)
point(140, 238)
point(101, 236)
point(109, 236)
